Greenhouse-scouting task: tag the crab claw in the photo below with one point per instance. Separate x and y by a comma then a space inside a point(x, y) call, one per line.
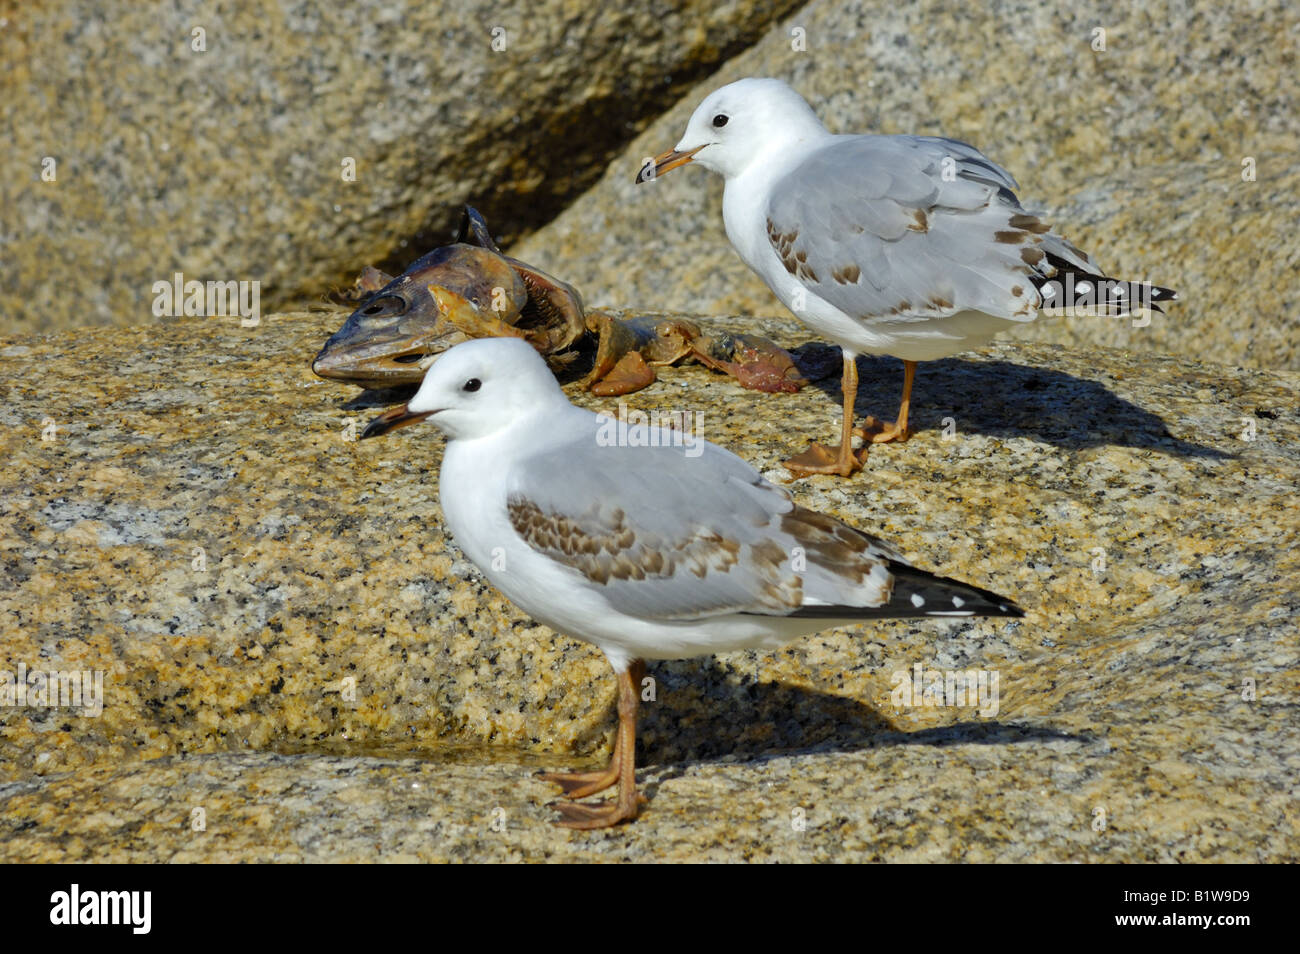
point(630, 374)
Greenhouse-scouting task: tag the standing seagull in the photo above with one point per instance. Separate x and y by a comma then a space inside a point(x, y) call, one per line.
point(911, 246)
point(649, 543)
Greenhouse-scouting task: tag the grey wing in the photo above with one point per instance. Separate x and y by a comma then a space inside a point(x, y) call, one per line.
point(910, 227)
point(664, 534)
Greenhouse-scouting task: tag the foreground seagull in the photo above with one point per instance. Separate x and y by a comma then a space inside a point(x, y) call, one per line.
point(911, 246)
point(648, 543)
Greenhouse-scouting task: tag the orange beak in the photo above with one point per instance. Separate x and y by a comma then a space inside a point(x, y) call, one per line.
point(392, 419)
point(665, 162)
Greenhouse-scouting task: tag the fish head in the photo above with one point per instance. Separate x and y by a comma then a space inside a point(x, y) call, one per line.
point(398, 331)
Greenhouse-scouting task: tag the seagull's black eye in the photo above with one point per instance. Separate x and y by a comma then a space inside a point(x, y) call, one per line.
point(720, 120)
point(473, 384)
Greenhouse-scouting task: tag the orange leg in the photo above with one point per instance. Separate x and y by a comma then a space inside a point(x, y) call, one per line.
point(583, 784)
point(621, 771)
point(819, 459)
point(882, 432)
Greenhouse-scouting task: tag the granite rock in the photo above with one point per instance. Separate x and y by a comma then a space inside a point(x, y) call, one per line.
point(288, 640)
point(212, 141)
point(1139, 153)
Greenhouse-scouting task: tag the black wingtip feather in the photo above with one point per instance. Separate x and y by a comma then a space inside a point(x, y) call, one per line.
point(1068, 286)
point(939, 595)
point(918, 593)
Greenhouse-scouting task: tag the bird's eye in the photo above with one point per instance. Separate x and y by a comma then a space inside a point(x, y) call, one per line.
point(473, 384)
point(719, 121)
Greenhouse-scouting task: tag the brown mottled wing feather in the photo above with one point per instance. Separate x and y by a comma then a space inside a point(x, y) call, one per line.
point(637, 567)
point(666, 535)
point(911, 227)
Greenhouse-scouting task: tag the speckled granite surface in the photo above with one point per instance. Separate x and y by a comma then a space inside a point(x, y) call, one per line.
point(211, 139)
point(1121, 692)
point(1135, 152)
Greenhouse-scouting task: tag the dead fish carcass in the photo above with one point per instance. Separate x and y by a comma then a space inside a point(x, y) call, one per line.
point(400, 326)
point(471, 290)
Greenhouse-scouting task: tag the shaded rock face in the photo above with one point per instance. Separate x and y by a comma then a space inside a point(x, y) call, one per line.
point(223, 154)
point(289, 641)
point(1139, 153)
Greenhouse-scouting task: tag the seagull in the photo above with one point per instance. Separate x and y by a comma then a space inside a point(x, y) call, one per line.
point(911, 246)
point(649, 543)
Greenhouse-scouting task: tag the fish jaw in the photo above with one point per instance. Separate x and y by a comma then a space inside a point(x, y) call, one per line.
point(389, 362)
point(389, 341)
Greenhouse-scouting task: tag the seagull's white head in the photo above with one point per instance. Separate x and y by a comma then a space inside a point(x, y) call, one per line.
point(736, 124)
point(476, 389)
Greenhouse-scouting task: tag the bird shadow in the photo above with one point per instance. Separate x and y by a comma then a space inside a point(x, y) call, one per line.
point(998, 398)
point(705, 711)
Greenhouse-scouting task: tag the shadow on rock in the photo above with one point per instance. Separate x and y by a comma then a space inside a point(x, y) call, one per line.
point(1002, 399)
point(379, 397)
point(705, 711)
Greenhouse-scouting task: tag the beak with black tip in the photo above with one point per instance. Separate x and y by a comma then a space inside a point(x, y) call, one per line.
point(392, 419)
point(665, 162)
